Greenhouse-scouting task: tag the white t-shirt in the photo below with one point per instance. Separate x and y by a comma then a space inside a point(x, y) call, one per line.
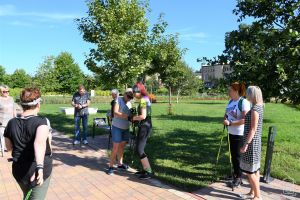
point(233, 114)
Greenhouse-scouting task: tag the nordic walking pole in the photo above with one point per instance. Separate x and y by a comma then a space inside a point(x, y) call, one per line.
point(230, 159)
point(220, 146)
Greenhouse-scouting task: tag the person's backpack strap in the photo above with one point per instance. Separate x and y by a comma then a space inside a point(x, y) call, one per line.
point(240, 104)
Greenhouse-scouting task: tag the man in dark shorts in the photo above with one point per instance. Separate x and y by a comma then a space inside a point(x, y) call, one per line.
point(80, 101)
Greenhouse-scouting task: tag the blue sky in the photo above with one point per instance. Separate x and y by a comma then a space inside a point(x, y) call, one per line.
point(30, 30)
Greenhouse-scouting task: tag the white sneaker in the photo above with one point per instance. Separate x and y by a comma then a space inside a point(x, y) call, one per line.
point(76, 142)
point(85, 142)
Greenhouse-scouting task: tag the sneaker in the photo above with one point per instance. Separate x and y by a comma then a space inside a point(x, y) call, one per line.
point(146, 175)
point(110, 171)
point(85, 142)
point(76, 142)
point(246, 196)
point(236, 182)
point(138, 173)
point(123, 167)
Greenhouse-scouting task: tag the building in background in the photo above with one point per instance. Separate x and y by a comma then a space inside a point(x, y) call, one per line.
point(198, 74)
point(212, 73)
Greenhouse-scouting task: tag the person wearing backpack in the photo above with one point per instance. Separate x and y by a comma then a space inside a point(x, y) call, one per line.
point(234, 119)
point(29, 139)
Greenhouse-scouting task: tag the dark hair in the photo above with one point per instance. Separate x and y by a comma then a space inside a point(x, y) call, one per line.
point(29, 95)
point(80, 87)
point(239, 87)
point(129, 95)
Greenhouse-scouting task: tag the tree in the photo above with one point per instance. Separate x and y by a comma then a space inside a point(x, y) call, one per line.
point(45, 77)
point(189, 83)
point(152, 83)
point(119, 30)
point(267, 52)
point(2, 74)
point(19, 79)
point(67, 72)
point(166, 55)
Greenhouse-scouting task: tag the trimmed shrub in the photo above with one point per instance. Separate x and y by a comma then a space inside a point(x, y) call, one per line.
point(152, 98)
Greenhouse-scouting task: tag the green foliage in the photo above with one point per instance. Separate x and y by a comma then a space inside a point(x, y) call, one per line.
point(19, 79)
point(67, 73)
point(152, 83)
point(105, 93)
point(45, 76)
point(2, 74)
point(267, 52)
point(162, 91)
point(187, 83)
point(15, 93)
point(119, 30)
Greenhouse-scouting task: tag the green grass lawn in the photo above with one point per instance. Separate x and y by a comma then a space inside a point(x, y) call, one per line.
point(183, 147)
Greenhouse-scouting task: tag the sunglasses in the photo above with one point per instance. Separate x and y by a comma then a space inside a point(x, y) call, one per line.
point(5, 92)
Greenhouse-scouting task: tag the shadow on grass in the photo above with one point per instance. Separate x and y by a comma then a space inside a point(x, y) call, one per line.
point(207, 103)
point(190, 118)
point(186, 159)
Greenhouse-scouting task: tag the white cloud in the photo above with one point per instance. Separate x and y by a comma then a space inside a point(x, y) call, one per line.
point(20, 23)
point(6, 10)
point(10, 10)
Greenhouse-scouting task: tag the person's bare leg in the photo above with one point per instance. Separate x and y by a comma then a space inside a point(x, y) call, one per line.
point(145, 163)
point(251, 185)
point(255, 185)
point(121, 152)
point(113, 154)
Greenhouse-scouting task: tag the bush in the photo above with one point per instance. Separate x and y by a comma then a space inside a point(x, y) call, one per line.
point(162, 91)
point(103, 93)
point(152, 98)
point(15, 92)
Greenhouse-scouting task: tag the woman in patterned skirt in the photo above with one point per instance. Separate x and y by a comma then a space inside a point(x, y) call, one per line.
point(251, 150)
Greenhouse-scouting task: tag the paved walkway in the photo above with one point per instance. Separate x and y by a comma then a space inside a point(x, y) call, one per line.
point(79, 173)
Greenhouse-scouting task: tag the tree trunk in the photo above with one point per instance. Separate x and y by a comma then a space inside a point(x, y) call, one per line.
point(170, 103)
point(178, 93)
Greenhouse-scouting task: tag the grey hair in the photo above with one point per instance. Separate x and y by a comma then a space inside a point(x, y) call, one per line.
point(254, 94)
point(115, 91)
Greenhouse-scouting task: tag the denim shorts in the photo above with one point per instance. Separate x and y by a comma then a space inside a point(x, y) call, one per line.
point(119, 135)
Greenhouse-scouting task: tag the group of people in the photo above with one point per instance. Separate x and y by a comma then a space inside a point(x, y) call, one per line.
point(244, 118)
point(28, 136)
point(121, 119)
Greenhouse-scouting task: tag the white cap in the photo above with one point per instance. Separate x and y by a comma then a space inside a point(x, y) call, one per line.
point(129, 90)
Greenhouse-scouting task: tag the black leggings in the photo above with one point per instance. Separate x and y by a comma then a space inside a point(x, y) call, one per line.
point(236, 142)
point(142, 136)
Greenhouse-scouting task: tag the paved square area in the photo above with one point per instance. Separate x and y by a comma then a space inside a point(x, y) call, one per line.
point(79, 173)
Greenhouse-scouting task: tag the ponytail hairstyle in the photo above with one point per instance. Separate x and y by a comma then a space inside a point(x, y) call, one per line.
point(240, 88)
point(142, 89)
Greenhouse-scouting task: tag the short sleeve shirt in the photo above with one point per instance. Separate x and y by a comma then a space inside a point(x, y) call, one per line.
point(123, 108)
point(7, 107)
point(234, 113)
point(81, 99)
point(145, 103)
point(22, 132)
